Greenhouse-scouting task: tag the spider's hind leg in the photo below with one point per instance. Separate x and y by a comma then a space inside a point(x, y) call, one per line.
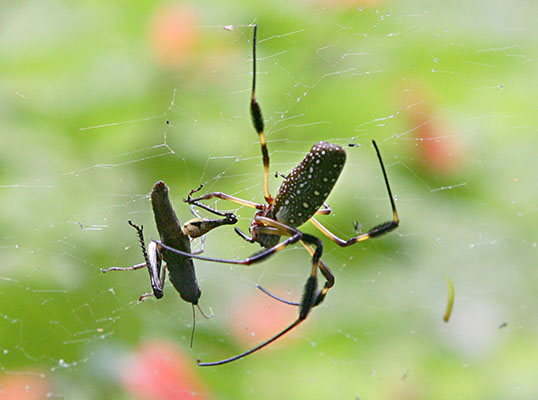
point(320, 296)
point(274, 296)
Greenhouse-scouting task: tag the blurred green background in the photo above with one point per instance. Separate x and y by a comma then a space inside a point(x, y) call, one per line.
point(99, 100)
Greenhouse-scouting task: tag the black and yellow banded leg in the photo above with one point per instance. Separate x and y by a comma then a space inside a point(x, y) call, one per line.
point(326, 210)
point(327, 274)
point(257, 121)
point(374, 232)
point(377, 230)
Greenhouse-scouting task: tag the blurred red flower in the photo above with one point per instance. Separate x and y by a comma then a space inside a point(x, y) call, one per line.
point(439, 147)
point(158, 370)
point(173, 35)
point(25, 386)
point(259, 317)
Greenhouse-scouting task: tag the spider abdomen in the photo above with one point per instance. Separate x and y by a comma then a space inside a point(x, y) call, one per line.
point(307, 186)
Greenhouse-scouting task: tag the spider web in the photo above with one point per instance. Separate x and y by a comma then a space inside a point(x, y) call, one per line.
point(448, 95)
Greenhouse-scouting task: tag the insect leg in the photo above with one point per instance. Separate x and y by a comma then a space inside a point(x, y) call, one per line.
point(152, 262)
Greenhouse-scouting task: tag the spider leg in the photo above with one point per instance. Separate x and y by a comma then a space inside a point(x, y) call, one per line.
point(326, 210)
point(257, 121)
point(308, 301)
point(327, 274)
point(207, 208)
point(310, 295)
point(377, 230)
point(274, 296)
point(329, 283)
point(271, 227)
point(224, 196)
point(244, 236)
point(247, 261)
point(246, 353)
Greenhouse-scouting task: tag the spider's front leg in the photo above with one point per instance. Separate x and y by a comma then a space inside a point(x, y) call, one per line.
point(223, 196)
